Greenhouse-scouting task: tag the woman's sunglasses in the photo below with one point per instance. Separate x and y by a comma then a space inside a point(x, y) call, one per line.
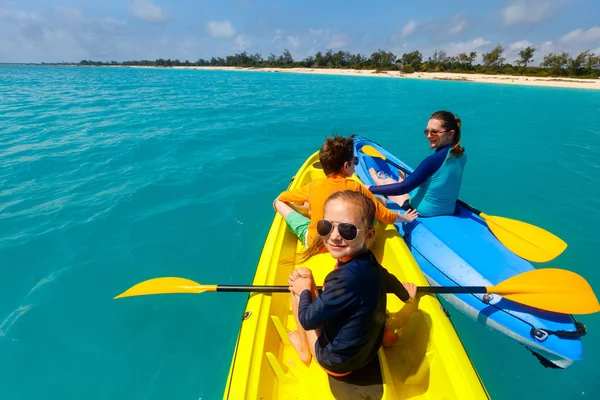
point(346, 230)
point(433, 132)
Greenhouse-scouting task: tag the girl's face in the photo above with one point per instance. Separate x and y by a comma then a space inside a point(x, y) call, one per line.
point(437, 135)
point(339, 211)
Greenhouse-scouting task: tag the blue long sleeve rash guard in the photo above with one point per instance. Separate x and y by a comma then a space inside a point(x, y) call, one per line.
point(352, 310)
point(424, 171)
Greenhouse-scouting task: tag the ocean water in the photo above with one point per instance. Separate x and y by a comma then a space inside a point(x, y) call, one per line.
point(110, 176)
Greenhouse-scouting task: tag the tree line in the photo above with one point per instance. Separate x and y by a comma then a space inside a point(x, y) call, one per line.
point(586, 64)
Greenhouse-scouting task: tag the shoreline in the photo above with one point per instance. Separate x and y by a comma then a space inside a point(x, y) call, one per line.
point(571, 83)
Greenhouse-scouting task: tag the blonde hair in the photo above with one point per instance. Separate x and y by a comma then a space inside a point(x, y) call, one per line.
point(360, 202)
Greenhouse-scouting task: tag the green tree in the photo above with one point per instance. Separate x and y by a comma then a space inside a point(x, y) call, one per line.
point(526, 56)
point(494, 58)
point(577, 65)
point(556, 63)
point(308, 61)
point(287, 57)
point(438, 61)
point(463, 59)
point(414, 59)
point(592, 64)
point(319, 59)
point(472, 58)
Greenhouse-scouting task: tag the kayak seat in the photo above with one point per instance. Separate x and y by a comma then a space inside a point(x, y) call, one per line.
point(411, 355)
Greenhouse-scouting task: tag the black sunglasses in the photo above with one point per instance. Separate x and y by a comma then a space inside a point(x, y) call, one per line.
point(347, 230)
point(355, 160)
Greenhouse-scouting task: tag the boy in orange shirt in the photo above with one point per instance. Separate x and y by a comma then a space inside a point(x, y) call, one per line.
point(337, 159)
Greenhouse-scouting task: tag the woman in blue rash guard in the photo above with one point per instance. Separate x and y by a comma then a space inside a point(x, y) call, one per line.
point(434, 185)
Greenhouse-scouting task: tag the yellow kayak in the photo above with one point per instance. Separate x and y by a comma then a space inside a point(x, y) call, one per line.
point(427, 362)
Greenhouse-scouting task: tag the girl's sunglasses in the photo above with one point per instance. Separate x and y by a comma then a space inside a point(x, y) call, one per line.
point(346, 230)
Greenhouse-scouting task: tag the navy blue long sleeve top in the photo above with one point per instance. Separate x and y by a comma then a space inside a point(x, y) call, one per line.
point(352, 310)
point(424, 171)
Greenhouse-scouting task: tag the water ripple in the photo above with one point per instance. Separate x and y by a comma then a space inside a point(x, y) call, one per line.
point(109, 176)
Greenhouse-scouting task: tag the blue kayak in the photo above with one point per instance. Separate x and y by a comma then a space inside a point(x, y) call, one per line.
point(460, 250)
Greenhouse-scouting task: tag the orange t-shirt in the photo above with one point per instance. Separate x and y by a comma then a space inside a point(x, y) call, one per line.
point(317, 192)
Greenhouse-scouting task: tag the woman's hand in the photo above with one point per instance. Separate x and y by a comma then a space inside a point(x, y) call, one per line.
point(411, 288)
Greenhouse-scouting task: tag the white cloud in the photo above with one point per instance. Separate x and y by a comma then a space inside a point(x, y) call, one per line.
point(71, 13)
point(337, 41)
point(465, 47)
point(457, 26)
point(68, 35)
point(409, 28)
point(146, 10)
point(221, 29)
point(520, 45)
point(324, 38)
point(511, 52)
point(529, 11)
point(241, 42)
point(277, 37)
point(294, 41)
point(581, 36)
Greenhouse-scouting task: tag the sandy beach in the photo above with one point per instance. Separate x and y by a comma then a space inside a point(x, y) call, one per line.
point(576, 83)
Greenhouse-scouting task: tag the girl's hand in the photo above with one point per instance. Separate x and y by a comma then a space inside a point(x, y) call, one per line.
point(299, 285)
point(408, 216)
point(411, 288)
point(300, 280)
point(301, 273)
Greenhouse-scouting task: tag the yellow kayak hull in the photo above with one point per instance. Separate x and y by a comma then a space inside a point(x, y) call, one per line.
point(428, 362)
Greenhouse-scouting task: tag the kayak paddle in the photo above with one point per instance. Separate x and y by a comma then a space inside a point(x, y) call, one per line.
point(550, 289)
point(525, 240)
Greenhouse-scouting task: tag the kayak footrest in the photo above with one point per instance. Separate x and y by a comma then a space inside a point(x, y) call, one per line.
point(422, 372)
point(282, 376)
point(281, 330)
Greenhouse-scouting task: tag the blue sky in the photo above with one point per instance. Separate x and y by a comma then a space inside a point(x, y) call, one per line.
point(70, 30)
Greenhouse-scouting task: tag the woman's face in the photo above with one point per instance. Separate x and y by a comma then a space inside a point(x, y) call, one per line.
point(437, 135)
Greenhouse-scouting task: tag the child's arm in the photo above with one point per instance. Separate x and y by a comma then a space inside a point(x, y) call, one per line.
point(393, 285)
point(296, 195)
point(408, 216)
point(337, 296)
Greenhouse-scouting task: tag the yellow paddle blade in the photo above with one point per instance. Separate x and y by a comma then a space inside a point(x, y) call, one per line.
point(551, 289)
point(372, 152)
point(525, 240)
point(165, 286)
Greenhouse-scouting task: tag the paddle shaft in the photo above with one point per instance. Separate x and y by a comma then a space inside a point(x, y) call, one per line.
point(284, 289)
point(462, 203)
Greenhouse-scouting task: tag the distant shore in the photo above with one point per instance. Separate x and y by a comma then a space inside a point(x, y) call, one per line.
point(576, 83)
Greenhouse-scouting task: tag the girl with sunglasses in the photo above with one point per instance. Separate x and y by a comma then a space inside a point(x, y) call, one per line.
point(434, 186)
point(343, 327)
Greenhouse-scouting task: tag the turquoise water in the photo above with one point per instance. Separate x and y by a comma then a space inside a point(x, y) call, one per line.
point(112, 176)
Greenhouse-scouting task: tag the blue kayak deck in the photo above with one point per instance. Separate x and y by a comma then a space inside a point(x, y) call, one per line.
point(460, 250)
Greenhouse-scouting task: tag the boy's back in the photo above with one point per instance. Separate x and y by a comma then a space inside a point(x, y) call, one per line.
point(317, 191)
